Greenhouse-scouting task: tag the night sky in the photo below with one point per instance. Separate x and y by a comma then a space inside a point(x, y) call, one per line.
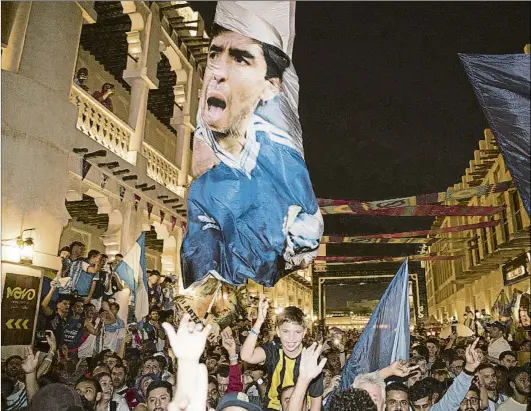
point(385, 105)
point(337, 295)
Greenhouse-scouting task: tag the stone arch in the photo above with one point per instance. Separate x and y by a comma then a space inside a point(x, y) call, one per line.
point(138, 14)
point(83, 203)
point(169, 251)
point(112, 237)
point(171, 244)
point(161, 230)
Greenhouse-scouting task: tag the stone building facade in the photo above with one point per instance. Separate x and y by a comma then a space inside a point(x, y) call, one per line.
point(494, 258)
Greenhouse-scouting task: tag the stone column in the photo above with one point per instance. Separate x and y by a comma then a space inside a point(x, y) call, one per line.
point(141, 74)
point(184, 135)
point(137, 111)
point(128, 228)
point(51, 44)
point(13, 52)
point(37, 126)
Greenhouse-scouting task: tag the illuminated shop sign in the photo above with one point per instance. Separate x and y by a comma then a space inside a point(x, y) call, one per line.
point(517, 270)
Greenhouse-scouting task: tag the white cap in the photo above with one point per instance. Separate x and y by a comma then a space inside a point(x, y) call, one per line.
point(271, 22)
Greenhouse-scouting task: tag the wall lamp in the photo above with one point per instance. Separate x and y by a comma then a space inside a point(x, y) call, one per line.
point(19, 249)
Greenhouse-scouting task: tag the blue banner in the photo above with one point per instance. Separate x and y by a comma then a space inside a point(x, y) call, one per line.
point(132, 270)
point(385, 339)
point(502, 86)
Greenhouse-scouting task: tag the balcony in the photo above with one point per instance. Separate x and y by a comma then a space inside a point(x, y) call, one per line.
point(111, 132)
point(101, 125)
point(162, 170)
point(517, 243)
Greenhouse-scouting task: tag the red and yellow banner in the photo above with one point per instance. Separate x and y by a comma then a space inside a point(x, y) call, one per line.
point(415, 211)
point(451, 194)
point(405, 240)
point(406, 234)
point(378, 259)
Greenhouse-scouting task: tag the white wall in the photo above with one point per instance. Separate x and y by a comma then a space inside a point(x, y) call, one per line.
point(87, 234)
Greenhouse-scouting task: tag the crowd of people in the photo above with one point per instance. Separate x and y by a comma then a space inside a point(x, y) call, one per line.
point(86, 358)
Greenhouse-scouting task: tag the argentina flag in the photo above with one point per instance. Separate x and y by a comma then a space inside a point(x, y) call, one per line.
point(132, 270)
point(385, 339)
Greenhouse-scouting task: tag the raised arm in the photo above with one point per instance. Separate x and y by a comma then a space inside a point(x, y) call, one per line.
point(92, 290)
point(235, 370)
point(92, 269)
point(46, 301)
point(93, 329)
point(397, 369)
point(310, 368)
point(457, 391)
point(30, 369)
point(48, 359)
point(483, 392)
point(192, 378)
point(250, 352)
point(119, 285)
point(109, 316)
point(451, 341)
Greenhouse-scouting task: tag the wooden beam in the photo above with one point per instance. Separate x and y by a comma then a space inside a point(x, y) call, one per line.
point(174, 7)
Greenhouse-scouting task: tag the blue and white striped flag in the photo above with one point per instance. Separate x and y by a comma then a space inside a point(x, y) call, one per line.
point(386, 336)
point(132, 270)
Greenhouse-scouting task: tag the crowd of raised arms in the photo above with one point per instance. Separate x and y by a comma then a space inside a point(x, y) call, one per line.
point(85, 358)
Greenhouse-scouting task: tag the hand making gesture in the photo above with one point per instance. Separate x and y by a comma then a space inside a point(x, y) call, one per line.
point(472, 357)
point(263, 306)
point(228, 342)
point(188, 344)
point(29, 365)
point(310, 366)
point(399, 368)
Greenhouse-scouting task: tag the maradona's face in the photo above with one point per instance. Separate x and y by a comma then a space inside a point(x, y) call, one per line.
point(234, 82)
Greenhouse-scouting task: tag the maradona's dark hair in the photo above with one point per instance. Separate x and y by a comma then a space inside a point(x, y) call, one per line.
point(276, 60)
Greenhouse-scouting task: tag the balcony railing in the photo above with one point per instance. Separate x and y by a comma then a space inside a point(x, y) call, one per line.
point(101, 125)
point(104, 127)
point(161, 170)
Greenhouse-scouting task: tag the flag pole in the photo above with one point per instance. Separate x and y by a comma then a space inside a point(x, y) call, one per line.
point(203, 321)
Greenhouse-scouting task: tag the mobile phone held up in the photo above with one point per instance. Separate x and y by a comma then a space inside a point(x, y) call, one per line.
point(41, 343)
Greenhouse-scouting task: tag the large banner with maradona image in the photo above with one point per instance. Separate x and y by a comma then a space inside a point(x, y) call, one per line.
point(251, 209)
